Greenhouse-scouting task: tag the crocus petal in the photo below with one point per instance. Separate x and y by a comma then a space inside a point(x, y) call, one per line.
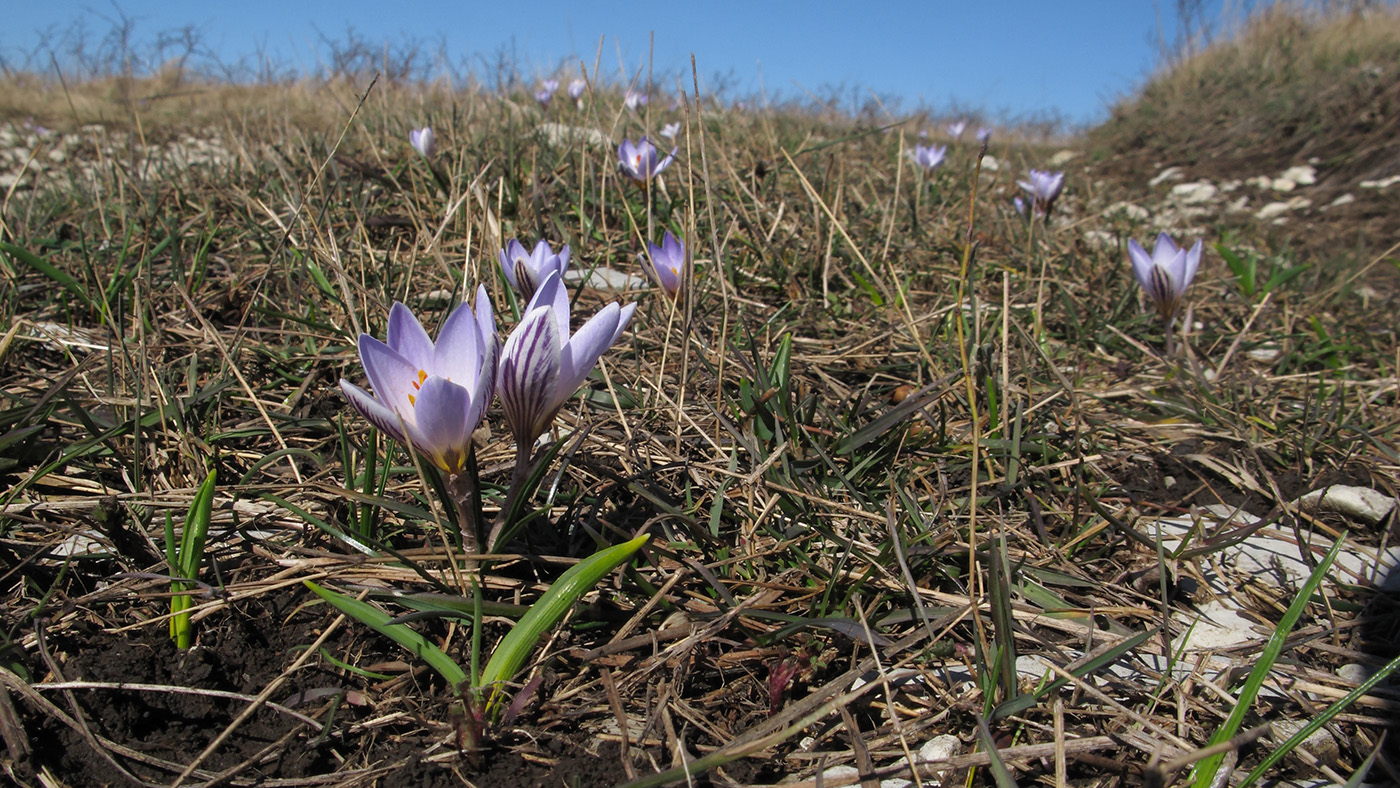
point(529, 374)
point(441, 431)
point(1165, 249)
point(386, 420)
point(514, 251)
point(407, 337)
point(1142, 263)
point(1193, 262)
point(584, 348)
point(457, 355)
point(554, 295)
point(390, 375)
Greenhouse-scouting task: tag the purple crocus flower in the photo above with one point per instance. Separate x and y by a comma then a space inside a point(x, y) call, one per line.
point(670, 130)
point(526, 270)
point(426, 394)
point(550, 85)
point(576, 88)
point(955, 130)
point(633, 99)
point(665, 264)
point(639, 161)
point(1166, 273)
point(1020, 205)
point(423, 141)
point(1043, 187)
point(928, 156)
point(984, 133)
point(542, 364)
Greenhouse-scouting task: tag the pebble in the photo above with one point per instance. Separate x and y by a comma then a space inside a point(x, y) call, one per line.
point(1302, 175)
point(1169, 174)
point(1194, 193)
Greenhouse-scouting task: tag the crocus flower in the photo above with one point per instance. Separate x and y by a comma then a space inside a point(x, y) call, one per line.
point(424, 141)
point(1166, 273)
point(1020, 206)
point(633, 99)
point(928, 157)
point(1043, 187)
point(430, 395)
point(670, 130)
point(550, 85)
point(576, 88)
point(984, 133)
point(665, 264)
point(542, 364)
point(955, 130)
point(526, 270)
point(639, 161)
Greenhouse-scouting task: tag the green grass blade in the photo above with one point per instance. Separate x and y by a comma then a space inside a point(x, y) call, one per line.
point(1317, 722)
point(379, 621)
point(1206, 769)
point(518, 644)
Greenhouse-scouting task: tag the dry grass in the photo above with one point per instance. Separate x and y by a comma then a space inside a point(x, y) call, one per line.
point(168, 318)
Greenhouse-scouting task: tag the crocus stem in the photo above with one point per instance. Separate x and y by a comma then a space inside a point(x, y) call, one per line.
point(1171, 337)
point(518, 477)
point(461, 488)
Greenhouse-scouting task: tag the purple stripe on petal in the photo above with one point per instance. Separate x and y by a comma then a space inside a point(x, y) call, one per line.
point(374, 411)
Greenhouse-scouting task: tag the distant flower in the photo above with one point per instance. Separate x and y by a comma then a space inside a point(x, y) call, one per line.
point(741, 106)
point(1043, 187)
point(430, 395)
point(923, 134)
point(928, 157)
point(665, 264)
point(633, 99)
point(424, 141)
point(670, 130)
point(542, 364)
point(955, 130)
point(546, 91)
point(1020, 206)
point(526, 270)
point(639, 162)
point(576, 88)
point(984, 133)
point(1166, 273)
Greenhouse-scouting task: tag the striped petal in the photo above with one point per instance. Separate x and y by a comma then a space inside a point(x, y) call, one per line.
point(529, 374)
point(386, 420)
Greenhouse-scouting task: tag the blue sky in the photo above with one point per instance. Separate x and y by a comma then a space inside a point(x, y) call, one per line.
point(1013, 58)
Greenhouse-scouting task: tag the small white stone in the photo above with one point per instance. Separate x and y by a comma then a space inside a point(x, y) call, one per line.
point(1345, 199)
point(1302, 175)
point(604, 278)
point(1361, 503)
point(940, 748)
point(990, 164)
point(1266, 355)
point(1282, 185)
point(1271, 211)
point(1383, 183)
point(1063, 157)
point(1354, 672)
point(561, 134)
point(1230, 185)
point(1259, 182)
point(1169, 174)
point(1320, 743)
point(57, 156)
point(1239, 204)
point(1193, 193)
point(1100, 239)
point(1128, 210)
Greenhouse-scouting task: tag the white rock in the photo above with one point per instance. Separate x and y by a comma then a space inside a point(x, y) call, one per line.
point(1302, 175)
point(604, 278)
point(1320, 743)
point(1169, 174)
point(940, 748)
point(1282, 185)
point(1345, 199)
point(990, 164)
point(1193, 193)
point(1128, 210)
point(1063, 157)
point(561, 134)
point(1383, 183)
point(1360, 503)
point(437, 298)
point(1354, 672)
point(1239, 204)
point(1259, 182)
point(1230, 185)
point(1272, 210)
point(1267, 355)
point(850, 775)
point(1218, 627)
point(1100, 239)
point(57, 155)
